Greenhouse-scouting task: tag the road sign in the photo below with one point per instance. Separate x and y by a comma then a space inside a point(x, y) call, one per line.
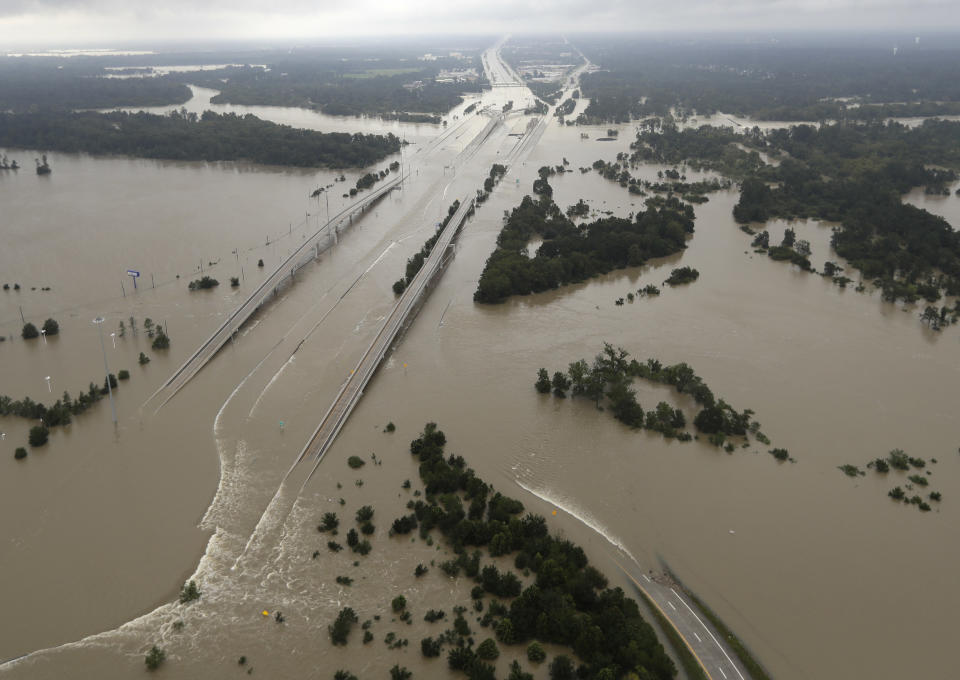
point(134, 273)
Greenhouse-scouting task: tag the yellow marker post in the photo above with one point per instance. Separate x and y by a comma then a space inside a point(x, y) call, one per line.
point(265, 612)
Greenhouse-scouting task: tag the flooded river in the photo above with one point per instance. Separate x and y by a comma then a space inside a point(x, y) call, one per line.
point(821, 575)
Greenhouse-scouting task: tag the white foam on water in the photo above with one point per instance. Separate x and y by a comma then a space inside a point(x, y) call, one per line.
point(582, 515)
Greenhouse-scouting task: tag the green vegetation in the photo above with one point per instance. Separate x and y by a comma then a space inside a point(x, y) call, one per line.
point(488, 650)
point(344, 675)
point(572, 253)
point(852, 470)
point(568, 604)
point(20, 453)
point(415, 263)
point(143, 360)
point(29, 331)
point(398, 604)
point(155, 658)
point(189, 592)
point(356, 462)
point(682, 275)
point(789, 80)
point(161, 341)
point(340, 629)
point(329, 522)
point(203, 283)
point(609, 379)
point(123, 374)
point(535, 652)
point(400, 673)
point(38, 435)
point(51, 327)
point(185, 136)
point(390, 427)
point(344, 580)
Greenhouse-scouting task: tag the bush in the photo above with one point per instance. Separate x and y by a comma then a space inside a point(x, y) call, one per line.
point(260, 262)
point(365, 514)
point(189, 592)
point(143, 360)
point(203, 283)
point(162, 341)
point(234, 281)
point(400, 673)
point(123, 374)
point(535, 652)
point(363, 547)
point(20, 453)
point(29, 331)
point(430, 647)
point(329, 522)
point(356, 462)
point(420, 570)
point(488, 650)
point(367, 528)
point(154, 658)
point(51, 327)
point(399, 603)
point(344, 675)
point(334, 546)
point(561, 668)
point(434, 615)
point(399, 286)
point(340, 628)
point(780, 454)
point(390, 427)
point(38, 435)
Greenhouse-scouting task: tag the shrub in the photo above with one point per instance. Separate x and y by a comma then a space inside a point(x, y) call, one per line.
point(38, 435)
point(334, 546)
point(399, 603)
point(400, 673)
point(390, 427)
point(123, 374)
point(430, 647)
point(780, 454)
point(434, 615)
point(344, 675)
point(20, 453)
point(329, 522)
point(356, 462)
point(488, 650)
point(561, 668)
point(880, 465)
point(363, 547)
point(399, 286)
point(345, 580)
point(934, 495)
point(51, 327)
point(420, 570)
point(919, 480)
point(535, 652)
point(29, 331)
point(143, 360)
point(189, 592)
point(340, 628)
point(365, 514)
point(260, 262)
point(203, 283)
point(154, 658)
point(367, 528)
point(162, 341)
point(353, 538)
point(234, 281)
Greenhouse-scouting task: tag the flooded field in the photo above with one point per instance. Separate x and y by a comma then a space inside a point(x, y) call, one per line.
point(821, 574)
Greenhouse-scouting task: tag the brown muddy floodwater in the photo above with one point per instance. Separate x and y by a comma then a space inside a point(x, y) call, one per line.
point(820, 574)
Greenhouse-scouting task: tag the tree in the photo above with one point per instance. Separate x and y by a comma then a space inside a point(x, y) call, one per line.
point(20, 453)
point(398, 604)
point(709, 420)
point(542, 384)
point(154, 658)
point(29, 331)
point(190, 592)
point(535, 652)
point(340, 628)
point(488, 650)
point(51, 327)
point(162, 341)
point(143, 360)
point(123, 374)
point(38, 435)
point(560, 384)
point(400, 673)
point(561, 668)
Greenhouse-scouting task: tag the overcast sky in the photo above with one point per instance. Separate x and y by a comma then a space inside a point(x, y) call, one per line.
point(111, 23)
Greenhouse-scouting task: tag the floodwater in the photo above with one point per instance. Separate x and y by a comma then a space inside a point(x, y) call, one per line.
point(822, 575)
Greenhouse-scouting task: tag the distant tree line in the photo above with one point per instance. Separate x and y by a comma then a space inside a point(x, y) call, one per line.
point(186, 136)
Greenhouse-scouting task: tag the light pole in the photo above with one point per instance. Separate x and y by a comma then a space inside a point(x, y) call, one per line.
point(113, 408)
point(43, 334)
point(49, 389)
point(113, 336)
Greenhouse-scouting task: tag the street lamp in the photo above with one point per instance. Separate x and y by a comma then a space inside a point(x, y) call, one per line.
point(43, 334)
point(49, 389)
point(113, 408)
point(113, 336)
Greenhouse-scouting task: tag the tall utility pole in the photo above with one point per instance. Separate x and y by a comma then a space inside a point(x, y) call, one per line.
point(113, 408)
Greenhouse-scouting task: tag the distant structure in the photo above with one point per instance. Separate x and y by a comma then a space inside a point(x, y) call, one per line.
point(44, 167)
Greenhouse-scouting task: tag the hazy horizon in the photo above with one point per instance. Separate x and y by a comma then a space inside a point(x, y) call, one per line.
point(116, 23)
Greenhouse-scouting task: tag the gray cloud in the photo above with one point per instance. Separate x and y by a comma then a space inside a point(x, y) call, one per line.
point(22, 21)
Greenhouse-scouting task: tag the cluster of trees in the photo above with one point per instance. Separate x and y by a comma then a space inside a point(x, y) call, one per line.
point(784, 81)
point(568, 603)
point(186, 136)
point(49, 84)
point(572, 253)
point(496, 174)
point(619, 171)
point(29, 331)
point(855, 175)
point(343, 88)
point(682, 275)
point(713, 148)
point(415, 263)
point(608, 379)
point(898, 460)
